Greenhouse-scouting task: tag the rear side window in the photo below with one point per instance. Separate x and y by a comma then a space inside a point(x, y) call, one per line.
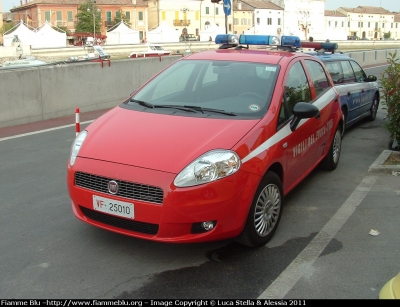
point(336, 72)
point(318, 76)
point(348, 73)
point(358, 71)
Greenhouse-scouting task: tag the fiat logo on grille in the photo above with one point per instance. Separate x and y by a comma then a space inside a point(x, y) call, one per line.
point(113, 187)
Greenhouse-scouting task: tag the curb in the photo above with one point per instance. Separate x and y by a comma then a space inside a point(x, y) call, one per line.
point(379, 167)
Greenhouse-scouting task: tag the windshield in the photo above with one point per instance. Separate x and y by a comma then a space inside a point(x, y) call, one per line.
point(241, 88)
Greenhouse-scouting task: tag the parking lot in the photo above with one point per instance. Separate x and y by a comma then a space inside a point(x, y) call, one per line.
point(323, 248)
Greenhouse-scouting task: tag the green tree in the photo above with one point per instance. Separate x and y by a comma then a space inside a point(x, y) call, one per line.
point(86, 13)
point(120, 15)
point(390, 84)
point(63, 28)
point(6, 26)
point(387, 35)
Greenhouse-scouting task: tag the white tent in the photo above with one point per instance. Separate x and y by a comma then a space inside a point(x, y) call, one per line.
point(122, 34)
point(25, 35)
point(163, 34)
point(211, 31)
point(48, 37)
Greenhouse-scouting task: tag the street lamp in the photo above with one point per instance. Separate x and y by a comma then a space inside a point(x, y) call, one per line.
point(305, 15)
point(94, 20)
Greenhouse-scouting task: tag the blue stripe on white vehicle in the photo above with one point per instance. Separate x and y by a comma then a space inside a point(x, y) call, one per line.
point(320, 103)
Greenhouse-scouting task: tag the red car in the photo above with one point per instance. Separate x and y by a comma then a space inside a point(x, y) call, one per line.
point(208, 148)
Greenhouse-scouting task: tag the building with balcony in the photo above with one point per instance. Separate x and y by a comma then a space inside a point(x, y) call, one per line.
point(62, 13)
point(303, 18)
point(186, 16)
point(370, 22)
point(335, 25)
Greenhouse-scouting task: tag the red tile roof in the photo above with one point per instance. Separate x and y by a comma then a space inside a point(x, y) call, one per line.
point(334, 13)
point(366, 10)
point(260, 4)
point(78, 2)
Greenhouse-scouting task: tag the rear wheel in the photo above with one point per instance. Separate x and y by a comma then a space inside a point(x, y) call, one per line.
point(344, 111)
point(374, 109)
point(265, 212)
point(331, 161)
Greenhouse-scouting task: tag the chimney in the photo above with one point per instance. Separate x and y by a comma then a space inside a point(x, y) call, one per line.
point(134, 2)
point(239, 5)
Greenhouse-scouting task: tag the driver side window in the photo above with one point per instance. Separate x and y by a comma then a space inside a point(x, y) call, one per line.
point(296, 89)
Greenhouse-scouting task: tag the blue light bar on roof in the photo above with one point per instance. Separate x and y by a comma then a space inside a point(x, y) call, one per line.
point(263, 40)
point(226, 39)
point(329, 46)
point(266, 40)
point(291, 41)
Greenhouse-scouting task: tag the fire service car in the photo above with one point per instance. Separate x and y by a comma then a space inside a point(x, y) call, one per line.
point(209, 147)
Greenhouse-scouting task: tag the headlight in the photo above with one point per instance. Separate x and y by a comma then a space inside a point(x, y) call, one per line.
point(209, 167)
point(76, 146)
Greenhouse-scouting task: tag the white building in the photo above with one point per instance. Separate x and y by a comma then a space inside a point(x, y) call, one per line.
point(371, 22)
point(303, 18)
point(186, 16)
point(335, 25)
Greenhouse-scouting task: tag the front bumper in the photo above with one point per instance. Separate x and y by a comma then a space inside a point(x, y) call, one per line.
point(226, 201)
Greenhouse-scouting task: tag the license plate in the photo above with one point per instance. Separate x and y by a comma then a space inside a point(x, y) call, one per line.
point(114, 207)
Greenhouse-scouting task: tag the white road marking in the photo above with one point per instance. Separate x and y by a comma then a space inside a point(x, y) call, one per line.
point(41, 131)
point(304, 261)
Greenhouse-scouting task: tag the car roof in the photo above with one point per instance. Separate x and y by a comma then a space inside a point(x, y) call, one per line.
point(332, 56)
point(248, 55)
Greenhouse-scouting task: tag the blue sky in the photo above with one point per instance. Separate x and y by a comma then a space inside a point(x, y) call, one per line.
point(391, 5)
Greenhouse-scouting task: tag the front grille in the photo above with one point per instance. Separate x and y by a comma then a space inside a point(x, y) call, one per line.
point(126, 189)
point(151, 229)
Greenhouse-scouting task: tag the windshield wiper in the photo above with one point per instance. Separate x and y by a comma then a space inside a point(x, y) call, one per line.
point(201, 109)
point(143, 103)
point(169, 106)
point(182, 108)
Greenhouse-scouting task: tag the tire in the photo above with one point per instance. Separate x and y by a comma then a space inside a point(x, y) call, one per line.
point(374, 109)
point(331, 161)
point(344, 111)
point(265, 212)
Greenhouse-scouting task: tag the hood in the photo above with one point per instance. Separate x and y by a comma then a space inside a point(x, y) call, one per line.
point(157, 141)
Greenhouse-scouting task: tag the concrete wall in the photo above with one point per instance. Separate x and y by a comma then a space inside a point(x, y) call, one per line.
point(41, 93)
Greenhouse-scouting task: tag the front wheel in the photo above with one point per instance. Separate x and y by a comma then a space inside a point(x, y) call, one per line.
point(374, 109)
point(331, 161)
point(265, 212)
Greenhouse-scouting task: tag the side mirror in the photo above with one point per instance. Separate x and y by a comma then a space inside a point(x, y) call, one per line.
point(371, 78)
point(303, 110)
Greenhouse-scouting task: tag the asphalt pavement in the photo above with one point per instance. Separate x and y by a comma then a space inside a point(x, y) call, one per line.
point(364, 230)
